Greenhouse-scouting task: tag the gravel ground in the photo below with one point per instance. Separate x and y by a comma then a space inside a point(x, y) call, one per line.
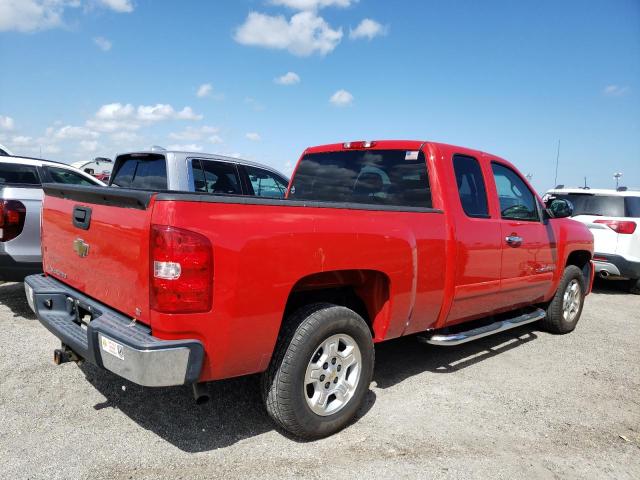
point(522, 404)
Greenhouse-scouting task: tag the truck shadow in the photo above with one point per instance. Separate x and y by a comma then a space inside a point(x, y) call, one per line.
point(234, 412)
point(13, 297)
point(611, 287)
point(405, 357)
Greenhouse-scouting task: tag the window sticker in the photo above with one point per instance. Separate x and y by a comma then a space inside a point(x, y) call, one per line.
point(411, 155)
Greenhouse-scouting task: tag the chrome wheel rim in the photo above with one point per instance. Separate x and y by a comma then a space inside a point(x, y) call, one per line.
point(332, 375)
point(571, 300)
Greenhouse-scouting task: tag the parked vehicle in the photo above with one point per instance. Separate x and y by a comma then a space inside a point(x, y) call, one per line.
point(99, 167)
point(4, 151)
point(375, 240)
point(161, 169)
point(613, 217)
point(20, 204)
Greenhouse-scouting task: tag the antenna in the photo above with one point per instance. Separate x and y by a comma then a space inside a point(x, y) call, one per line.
point(555, 182)
point(617, 176)
point(585, 182)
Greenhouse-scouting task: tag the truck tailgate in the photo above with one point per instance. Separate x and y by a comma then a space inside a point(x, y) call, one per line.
point(96, 239)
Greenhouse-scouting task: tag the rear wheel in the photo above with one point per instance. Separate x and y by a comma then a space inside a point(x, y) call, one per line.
point(564, 310)
point(634, 286)
point(320, 371)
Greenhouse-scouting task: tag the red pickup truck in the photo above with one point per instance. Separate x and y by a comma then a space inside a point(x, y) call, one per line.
point(374, 241)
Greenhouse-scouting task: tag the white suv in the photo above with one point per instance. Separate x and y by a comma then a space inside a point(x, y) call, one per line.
point(613, 216)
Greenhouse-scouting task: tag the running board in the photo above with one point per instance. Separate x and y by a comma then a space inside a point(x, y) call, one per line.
point(476, 333)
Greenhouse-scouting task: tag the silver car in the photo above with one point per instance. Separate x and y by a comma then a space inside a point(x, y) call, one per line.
point(21, 182)
point(160, 169)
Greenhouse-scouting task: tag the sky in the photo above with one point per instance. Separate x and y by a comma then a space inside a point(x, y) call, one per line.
point(264, 79)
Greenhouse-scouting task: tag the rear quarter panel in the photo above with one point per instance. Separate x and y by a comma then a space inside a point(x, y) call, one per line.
point(261, 251)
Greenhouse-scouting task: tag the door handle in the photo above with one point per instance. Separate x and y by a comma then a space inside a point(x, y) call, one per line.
point(513, 240)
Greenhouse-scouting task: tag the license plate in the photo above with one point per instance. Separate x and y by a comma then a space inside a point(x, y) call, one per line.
point(111, 347)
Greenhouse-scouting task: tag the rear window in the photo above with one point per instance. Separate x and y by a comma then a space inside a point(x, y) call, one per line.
point(378, 177)
point(16, 174)
point(148, 172)
point(591, 204)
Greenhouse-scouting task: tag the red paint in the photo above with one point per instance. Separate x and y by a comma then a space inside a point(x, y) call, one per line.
point(412, 271)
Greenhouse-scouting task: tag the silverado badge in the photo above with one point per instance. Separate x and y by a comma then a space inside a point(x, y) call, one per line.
point(81, 247)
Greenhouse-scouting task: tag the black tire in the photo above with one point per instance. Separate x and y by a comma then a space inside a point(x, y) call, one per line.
point(555, 321)
point(634, 286)
point(283, 384)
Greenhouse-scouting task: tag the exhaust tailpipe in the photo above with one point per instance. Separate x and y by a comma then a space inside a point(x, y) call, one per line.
point(200, 393)
point(604, 274)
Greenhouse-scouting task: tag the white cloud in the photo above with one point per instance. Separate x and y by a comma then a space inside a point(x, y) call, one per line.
point(115, 111)
point(120, 6)
point(6, 123)
point(341, 98)
point(254, 137)
point(367, 28)
point(33, 15)
point(312, 4)
point(204, 90)
point(194, 133)
point(615, 90)
point(117, 116)
point(69, 132)
point(21, 140)
point(215, 139)
point(190, 147)
point(304, 34)
point(102, 43)
point(289, 78)
point(89, 145)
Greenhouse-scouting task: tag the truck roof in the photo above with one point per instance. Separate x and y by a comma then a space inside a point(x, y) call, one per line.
point(406, 145)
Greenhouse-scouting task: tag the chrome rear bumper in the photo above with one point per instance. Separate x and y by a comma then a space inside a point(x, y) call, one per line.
point(111, 340)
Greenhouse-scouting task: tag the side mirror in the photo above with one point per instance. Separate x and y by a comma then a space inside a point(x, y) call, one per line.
point(559, 208)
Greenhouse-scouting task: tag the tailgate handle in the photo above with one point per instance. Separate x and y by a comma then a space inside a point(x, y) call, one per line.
point(81, 217)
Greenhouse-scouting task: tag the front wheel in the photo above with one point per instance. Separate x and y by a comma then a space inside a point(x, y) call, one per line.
point(634, 286)
point(320, 371)
point(564, 310)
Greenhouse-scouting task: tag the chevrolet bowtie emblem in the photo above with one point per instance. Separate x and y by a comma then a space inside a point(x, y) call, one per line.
point(81, 247)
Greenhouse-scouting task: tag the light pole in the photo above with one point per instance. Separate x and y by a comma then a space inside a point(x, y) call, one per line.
point(617, 176)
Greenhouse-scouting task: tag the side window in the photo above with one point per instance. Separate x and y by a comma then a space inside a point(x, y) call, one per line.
point(265, 183)
point(16, 174)
point(517, 202)
point(473, 194)
point(216, 177)
point(62, 175)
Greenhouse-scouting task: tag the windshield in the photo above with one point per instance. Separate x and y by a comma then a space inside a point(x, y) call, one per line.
point(379, 177)
point(591, 204)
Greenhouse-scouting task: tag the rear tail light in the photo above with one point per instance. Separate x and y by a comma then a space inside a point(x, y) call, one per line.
point(12, 216)
point(619, 226)
point(181, 270)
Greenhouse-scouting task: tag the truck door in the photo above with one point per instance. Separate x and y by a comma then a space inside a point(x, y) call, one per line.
point(527, 256)
point(478, 240)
